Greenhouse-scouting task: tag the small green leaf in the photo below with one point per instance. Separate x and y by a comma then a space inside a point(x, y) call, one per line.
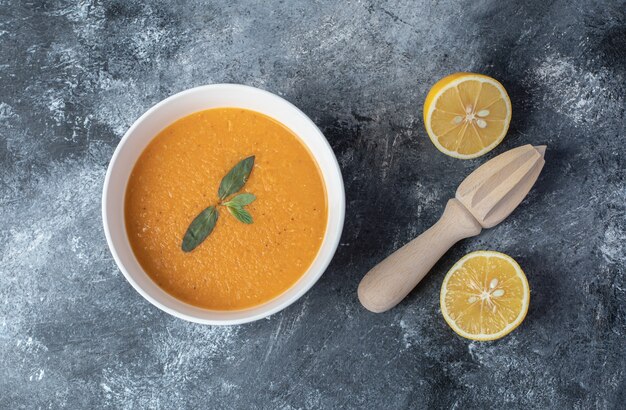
point(236, 178)
point(241, 214)
point(200, 228)
point(241, 200)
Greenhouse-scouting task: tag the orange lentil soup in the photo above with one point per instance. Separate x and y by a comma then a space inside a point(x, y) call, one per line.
point(238, 265)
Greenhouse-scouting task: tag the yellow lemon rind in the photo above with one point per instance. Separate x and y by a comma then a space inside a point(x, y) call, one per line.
point(511, 326)
point(453, 80)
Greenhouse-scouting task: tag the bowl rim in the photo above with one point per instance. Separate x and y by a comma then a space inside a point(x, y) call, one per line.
point(334, 237)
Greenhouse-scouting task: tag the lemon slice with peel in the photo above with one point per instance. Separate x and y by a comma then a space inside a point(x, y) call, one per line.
point(467, 115)
point(485, 296)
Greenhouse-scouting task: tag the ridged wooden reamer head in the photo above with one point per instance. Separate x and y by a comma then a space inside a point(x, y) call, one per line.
point(498, 186)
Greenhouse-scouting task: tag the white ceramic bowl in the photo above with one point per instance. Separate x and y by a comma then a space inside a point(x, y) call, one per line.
point(162, 115)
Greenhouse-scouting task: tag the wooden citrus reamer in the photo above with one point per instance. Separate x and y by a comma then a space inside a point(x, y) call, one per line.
point(483, 200)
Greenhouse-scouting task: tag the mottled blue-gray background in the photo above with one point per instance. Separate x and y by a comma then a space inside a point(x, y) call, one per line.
point(75, 74)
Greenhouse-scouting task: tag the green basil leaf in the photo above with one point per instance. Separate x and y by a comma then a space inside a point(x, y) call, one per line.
point(200, 228)
point(241, 200)
point(236, 178)
point(241, 214)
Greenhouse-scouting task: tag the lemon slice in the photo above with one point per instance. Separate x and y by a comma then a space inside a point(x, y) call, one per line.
point(467, 115)
point(484, 296)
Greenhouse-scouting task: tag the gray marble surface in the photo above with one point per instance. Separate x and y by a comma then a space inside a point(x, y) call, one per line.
point(75, 74)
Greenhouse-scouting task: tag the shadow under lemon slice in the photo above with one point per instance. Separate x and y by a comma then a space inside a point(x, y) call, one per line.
point(467, 115)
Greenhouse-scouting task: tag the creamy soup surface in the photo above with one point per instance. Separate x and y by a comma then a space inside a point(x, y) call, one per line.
point(238, 265)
